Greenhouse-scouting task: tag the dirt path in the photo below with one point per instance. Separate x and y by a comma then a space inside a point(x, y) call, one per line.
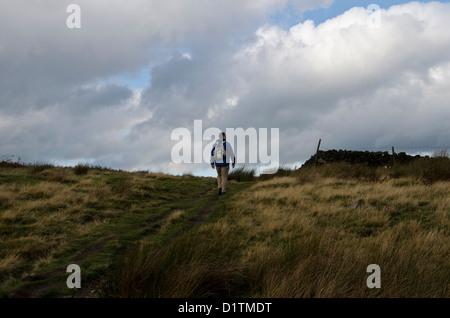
point(37, 285)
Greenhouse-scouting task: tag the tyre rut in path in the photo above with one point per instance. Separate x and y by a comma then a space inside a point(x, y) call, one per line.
point(39, 289)
point(199, 218)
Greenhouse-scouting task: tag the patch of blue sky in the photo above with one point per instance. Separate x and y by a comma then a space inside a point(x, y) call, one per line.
point(126, 133)
point(289, 17)
point(138, 79)
point(73, 162)
point(142, 77)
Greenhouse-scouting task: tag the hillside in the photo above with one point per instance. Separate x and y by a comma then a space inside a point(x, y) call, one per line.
point(153, 235)
point(51, 217)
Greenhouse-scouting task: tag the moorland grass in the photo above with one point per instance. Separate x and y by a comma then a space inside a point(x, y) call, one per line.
point(294, 234)
point(301, 236)
point(49, 216)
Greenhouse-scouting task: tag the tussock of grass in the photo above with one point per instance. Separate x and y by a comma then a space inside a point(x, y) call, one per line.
point(81, 169)
point(40, 166)
point(9, 263)
point(122, 185)
point(171, 219)
point(282, 171)
point(242, 174)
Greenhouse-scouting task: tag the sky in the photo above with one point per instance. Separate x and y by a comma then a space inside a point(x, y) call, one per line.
point(355, 74)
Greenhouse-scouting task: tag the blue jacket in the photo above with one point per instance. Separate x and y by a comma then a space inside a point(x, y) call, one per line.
point(227, 158)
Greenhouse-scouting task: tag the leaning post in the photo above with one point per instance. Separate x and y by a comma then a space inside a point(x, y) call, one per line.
point(317, 154)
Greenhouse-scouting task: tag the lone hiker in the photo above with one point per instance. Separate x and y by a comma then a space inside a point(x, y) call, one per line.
point(221, 155)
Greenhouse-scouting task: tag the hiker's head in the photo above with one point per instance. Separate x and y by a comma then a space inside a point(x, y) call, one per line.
point(222, 136)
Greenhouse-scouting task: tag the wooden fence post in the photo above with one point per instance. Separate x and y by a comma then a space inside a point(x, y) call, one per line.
point(317, 154)
point(393, 156)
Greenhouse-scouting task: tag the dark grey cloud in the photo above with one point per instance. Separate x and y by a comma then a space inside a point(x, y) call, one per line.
point(84, 100)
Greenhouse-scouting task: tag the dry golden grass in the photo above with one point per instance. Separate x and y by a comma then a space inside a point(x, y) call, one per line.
point(301, 237)
point(41, 213)
point(306, 239)
point(171, 219)
point(295, 236)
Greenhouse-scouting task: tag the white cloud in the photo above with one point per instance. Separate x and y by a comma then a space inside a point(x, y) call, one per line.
point(216, 111)
point(354, 84)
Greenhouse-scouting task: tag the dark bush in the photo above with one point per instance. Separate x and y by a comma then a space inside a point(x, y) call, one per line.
point(81, 169)
point(40, 166)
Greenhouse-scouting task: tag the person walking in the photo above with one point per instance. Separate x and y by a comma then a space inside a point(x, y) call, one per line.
point(221, 156)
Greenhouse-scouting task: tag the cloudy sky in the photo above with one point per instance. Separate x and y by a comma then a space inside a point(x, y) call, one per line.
point(111, 92)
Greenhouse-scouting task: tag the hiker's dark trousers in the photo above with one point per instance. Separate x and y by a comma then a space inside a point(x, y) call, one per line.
point(222, 177)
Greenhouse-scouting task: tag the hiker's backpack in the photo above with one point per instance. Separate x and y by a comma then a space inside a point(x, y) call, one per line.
point(219, 151)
